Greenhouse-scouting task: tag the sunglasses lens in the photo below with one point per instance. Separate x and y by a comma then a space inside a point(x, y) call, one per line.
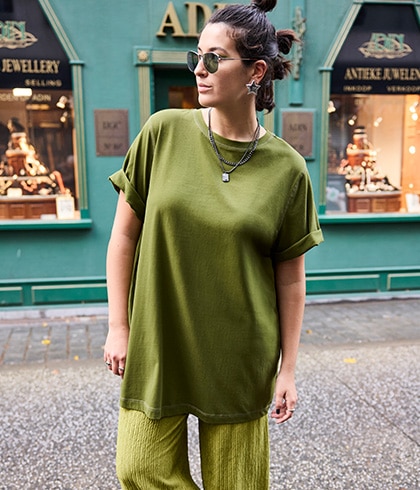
point(211, 62)
point(192, 60)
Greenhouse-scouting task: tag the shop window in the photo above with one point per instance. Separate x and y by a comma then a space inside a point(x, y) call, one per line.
point(374, 109)
point(374, 144)
point(38, 171)
point(37, 168)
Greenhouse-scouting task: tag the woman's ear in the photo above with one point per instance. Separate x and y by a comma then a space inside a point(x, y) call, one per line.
point(260, 69)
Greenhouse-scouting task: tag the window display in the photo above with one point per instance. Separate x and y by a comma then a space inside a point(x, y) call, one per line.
point(38, 178)
point(36, 154)
point(374, 142)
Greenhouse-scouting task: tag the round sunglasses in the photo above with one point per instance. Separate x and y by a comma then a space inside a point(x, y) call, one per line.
point(210, 60)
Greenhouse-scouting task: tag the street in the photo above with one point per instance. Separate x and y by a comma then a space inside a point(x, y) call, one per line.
point(356, 426)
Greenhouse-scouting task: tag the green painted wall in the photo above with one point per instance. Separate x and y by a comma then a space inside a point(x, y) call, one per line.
point(68, 265)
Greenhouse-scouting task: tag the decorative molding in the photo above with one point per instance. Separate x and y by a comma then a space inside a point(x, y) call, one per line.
point(298, 23)
point(79, 113)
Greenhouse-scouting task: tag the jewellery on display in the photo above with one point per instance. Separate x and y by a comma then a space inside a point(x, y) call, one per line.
point(253, 87)
point(210, 60)
point(245, 157)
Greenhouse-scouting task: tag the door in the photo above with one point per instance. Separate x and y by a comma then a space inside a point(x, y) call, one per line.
point(175, 88)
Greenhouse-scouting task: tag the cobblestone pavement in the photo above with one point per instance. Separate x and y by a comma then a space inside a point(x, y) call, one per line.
point(356, 427)
point(45, 339)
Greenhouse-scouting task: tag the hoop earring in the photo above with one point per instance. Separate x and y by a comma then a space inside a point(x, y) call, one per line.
point(253, 87)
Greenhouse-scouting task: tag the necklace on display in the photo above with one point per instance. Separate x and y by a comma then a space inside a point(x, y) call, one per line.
point(245, 157)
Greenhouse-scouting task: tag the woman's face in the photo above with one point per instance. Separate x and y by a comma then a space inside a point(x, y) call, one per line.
point(227, 86)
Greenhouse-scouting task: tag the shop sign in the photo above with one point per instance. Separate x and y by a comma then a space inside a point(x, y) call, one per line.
point(297, 130)
point(195, 11)
point(111, 132)
point(381, 54)
point(30, 54)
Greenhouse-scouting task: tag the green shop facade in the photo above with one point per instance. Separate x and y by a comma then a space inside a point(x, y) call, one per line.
point(79, 79)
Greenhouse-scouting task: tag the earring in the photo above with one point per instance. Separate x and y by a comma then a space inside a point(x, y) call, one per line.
point(253, 87)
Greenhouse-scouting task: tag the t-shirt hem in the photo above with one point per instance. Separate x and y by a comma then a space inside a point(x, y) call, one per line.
point(186, 409)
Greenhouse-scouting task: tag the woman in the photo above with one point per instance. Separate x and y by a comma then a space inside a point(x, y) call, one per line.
point(206, 270)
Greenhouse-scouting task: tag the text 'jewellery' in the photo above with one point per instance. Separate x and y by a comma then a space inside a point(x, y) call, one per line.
point(245, 157)
point(210, 60)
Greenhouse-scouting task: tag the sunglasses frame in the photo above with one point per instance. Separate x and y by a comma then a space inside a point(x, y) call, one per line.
point(202, 57)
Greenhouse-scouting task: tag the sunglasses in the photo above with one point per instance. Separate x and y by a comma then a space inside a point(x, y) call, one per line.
point(210, 60)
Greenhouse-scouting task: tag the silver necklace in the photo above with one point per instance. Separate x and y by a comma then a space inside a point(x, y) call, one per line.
point(245, 157)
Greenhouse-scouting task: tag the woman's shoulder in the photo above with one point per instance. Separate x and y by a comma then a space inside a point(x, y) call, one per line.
point(284, 149)
point(170, 116)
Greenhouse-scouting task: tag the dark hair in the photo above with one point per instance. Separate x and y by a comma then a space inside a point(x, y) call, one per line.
point(256, 38)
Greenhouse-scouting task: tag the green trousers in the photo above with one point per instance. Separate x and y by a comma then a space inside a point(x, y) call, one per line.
point(153, 454)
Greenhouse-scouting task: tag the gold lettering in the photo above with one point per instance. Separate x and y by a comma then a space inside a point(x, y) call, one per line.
point(30, 66)
point(387, 74)
point(6, 66)
point(170, 21)
point(196, 12)
point(193, 9)
point(415, 73)
point(395, 73)
point(405, 74)
point(363, 73)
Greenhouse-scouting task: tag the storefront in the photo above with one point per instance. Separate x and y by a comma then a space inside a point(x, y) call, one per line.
point(374, 126)
point(38, 169)
point(75, 89)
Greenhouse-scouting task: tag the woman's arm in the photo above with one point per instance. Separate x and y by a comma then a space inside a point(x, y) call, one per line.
point(291, 290)
point(119, 265)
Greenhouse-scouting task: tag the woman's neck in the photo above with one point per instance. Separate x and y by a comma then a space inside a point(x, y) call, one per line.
point(234, 126)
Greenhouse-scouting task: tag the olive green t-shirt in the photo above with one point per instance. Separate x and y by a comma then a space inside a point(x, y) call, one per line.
point(204, 335)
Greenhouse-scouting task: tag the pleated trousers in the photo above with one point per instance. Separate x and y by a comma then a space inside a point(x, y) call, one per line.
point(153, 454)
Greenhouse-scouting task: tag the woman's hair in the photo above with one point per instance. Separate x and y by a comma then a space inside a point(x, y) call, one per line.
point(256, 38)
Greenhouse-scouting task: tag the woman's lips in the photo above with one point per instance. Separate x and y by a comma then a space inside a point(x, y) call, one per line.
point(201, 87)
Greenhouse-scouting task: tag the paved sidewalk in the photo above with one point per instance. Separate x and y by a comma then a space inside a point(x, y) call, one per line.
point(356, 426)
point(74, 337)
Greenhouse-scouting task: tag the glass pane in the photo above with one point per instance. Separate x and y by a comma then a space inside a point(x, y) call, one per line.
point(373, 143)
point(38, 177)
point(183, 97)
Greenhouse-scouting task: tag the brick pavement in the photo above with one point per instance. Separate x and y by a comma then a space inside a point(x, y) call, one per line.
point(77, 337)
point(42, 340)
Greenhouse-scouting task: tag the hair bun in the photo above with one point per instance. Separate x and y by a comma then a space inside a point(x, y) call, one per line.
point(264, 5)
point(285, 40)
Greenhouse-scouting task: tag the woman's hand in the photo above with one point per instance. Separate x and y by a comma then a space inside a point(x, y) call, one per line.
point(285, 398)
point(115, 351)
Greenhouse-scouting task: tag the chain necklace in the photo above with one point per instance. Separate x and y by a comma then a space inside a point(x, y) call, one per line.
point(245, 157)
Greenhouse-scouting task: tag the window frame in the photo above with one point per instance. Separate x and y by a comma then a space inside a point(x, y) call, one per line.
point(76, 65)
point(326, 73)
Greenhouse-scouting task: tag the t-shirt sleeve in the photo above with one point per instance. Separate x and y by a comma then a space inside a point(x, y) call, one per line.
point(300, 229)
point(134, 176)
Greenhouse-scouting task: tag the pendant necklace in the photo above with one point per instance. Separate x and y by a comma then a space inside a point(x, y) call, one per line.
point(245, 157)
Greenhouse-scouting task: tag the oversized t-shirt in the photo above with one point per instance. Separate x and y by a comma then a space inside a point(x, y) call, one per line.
point(204, 333)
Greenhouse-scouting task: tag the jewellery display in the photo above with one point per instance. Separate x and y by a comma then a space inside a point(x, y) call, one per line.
point(253, 87)
point(245, 157)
